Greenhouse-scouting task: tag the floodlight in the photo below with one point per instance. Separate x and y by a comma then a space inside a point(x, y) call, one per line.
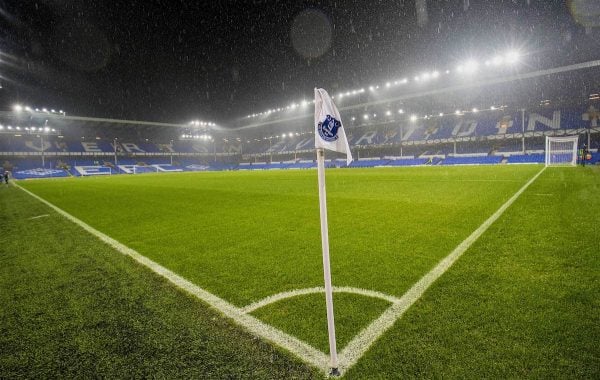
point(512, 57)
point(387, 84)
point(53, 111)
point(304, 103)
point(475, 110)
point(492, 108)
point(435, 74)
point(441, 114)
point(371, 88)
point(457, 112)
point(388, 113)
point(291, 134)
point(18, 108)
point(470, 66)
point(366, 117)
point(27, 108)
point(9, 127)
point(400, 111)
point(18, 128)
point(497, 60)
point(413, 117)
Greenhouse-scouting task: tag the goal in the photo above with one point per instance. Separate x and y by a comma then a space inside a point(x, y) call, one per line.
point(561, 151)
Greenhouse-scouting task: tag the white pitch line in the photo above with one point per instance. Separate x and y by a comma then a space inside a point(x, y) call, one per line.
point(359, 344)
point(37, 217)
point(364, 339)
point(300, 292)
point(303, 350)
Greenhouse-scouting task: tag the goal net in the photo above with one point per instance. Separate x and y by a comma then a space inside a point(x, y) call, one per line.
point(561, 151)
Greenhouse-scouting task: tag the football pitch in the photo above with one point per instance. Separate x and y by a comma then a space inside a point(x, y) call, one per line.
point(521, 298)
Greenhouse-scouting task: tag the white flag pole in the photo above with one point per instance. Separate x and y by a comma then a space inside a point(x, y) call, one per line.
point(326, 266)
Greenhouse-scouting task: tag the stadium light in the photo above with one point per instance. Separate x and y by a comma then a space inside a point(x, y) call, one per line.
point(353, 118)
point(27, 108)
point(44, 110)
point(457, 112)
point(475, 110)
point(413, 117)
point(18, 128)
point(400, 111)
point(388, 113)
point(435, 74)
point(366, 117)
point(1, 127)
point(18, 108)
point(470, 66)
point(497, 60)
point(493, 108)
point(9, 128)
point(512, 57)
point(371, 88)
point(441, 114)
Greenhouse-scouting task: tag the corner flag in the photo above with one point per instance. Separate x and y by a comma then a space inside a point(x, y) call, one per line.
point(329, 130)
point(329, 134)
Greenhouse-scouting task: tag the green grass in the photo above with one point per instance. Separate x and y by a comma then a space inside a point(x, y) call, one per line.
point(74, 308)
point(245, 236)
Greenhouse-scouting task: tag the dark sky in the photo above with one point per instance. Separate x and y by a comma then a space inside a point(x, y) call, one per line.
point(174, 61)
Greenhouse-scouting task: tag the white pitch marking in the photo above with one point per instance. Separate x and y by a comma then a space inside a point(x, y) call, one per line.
point(359, 344)
point(37, 217)
point(364, 339)
point(303, 350)
point(299, 292)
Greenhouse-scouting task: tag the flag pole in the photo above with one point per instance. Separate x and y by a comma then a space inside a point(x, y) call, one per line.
point(326, 266)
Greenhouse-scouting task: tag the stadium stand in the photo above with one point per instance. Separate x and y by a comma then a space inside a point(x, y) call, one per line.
point(486, 138)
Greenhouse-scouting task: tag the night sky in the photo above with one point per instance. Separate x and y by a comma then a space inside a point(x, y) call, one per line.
point(174, 61)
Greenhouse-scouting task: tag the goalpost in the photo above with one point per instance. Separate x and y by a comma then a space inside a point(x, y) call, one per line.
point(561, 151)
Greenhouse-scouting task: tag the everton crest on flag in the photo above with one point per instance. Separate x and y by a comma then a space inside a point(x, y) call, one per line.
point(329, 129)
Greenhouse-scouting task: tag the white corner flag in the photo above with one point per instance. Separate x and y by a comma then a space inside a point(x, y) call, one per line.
point(329, 134)
point(329, 129)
